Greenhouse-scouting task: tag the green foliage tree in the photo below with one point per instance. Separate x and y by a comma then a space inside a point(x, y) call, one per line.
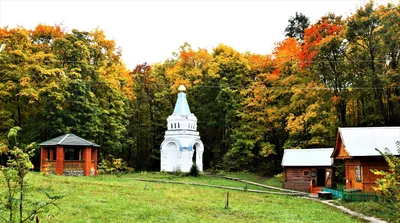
point(14, 203)
point(296, 27)
point(389, 183)
point(335, 72)
point(53, 82)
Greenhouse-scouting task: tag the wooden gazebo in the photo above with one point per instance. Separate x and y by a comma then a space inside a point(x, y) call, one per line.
point(69, 155)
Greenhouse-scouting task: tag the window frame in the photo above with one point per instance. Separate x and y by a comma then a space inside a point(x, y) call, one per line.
point(313, 173)
point(358, 170)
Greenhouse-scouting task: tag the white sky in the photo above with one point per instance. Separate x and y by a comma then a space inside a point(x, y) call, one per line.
point(149, 31)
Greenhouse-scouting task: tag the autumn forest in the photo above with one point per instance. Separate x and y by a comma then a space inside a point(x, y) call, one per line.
point(335, 72)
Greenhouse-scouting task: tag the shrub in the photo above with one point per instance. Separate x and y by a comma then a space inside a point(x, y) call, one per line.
point(194, 171)
point(14, 200)
point(113, 165)
point(176, 171)
point(279, 177)
point(389, 185)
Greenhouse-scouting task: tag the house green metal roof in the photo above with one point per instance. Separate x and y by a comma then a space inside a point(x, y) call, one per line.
point(68, 140)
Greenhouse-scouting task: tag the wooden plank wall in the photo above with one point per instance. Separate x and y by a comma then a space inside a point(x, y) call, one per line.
point(367, 177)
point(295, 179)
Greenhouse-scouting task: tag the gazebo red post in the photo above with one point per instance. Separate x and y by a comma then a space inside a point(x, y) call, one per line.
point(60, 160)
point(94, 158)
point(43, 158)
point(87, 156)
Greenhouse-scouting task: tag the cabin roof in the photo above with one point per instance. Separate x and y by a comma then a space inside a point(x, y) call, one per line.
point(68, 140)
point(362, 141)
point(307, 157)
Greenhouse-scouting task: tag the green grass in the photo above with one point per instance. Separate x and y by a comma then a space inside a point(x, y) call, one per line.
point(270, 181)
point(372, 208)
point(112, 199)
point(204, 179)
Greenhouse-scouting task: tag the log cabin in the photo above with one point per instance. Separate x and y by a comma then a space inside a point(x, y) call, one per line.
point(308, 169)
point(357, 148)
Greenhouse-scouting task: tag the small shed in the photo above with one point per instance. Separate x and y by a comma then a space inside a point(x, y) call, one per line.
point(69, 155)
point(306, 169)
point(356, 147)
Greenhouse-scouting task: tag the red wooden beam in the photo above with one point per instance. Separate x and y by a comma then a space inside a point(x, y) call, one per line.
point(94, 158)
point(60, 160)
point(87, 156)
point(43, 158)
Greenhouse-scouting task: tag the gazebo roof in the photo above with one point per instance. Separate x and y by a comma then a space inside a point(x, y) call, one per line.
point(68, 140)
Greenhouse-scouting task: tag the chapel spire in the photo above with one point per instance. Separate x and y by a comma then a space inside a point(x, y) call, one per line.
point(181, 105)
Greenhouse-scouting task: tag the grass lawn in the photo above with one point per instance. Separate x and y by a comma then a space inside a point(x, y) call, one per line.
point(113, 199)
point(372, 208)
point(205, 179)
point(270, 181)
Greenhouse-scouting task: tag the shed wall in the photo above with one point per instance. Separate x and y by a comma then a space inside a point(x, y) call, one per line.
point(295, 179)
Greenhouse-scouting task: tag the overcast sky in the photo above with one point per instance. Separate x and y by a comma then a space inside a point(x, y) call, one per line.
point(149, 31)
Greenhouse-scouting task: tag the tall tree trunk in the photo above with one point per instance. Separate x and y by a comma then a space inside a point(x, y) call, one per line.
point(378, 88)
point(19, 113)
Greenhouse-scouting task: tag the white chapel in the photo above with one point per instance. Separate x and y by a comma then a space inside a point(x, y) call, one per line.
point(182, 145)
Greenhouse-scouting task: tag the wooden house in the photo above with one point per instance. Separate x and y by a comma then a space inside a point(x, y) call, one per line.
point(308, 169)
point(69, 155)
point(357, 148)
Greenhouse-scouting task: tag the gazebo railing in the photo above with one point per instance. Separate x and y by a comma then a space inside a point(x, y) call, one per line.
point(51, 166)
point(73, 165)
point(70, 166)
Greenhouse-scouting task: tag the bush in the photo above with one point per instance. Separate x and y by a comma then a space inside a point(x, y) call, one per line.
point(177, 171)
point(279, 177)
point(113, 165)
point(14, 201)
point(389, 185)
point(194, 171)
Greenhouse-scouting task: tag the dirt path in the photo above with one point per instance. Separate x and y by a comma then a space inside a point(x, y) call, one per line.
point(347, 211)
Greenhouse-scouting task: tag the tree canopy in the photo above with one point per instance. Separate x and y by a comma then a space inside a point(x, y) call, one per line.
point(335, 72)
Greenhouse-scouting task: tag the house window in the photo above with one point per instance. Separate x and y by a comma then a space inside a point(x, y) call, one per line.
point(171, 126)
point(306, 173)
point(358, 174)
point(313, 174)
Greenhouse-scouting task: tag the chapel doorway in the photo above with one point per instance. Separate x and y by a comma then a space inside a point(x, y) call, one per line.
point(194, 154)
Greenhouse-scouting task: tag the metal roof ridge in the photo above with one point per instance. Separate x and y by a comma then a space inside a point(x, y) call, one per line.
point(306, 149)
point(90, 143)
point(63, 138)
point(372, 127)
